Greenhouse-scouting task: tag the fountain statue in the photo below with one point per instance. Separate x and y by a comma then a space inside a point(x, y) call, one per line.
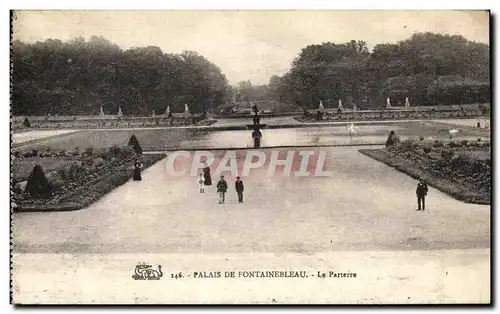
point(407, 103)
point(388, 105)
point(186, 111)
point(120, 113)
point(354, 107)
point(167, 111)
point(101, 111)
point(256, 126)
point(153, 114)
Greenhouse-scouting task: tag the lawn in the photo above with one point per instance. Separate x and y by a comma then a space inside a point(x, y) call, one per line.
point(157, 139)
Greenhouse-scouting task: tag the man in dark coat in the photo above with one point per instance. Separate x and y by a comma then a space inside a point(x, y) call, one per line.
point(239, 189)
point(222, 189)
point(207, 176)
point(421, 193)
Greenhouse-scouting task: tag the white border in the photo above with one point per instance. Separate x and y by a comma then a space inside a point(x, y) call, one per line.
point(179, 4)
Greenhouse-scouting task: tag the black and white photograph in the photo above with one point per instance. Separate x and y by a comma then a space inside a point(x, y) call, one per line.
point(250, 157)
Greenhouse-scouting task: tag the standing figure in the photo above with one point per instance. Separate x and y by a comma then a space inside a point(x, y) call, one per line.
point(239, 189)
point(207, 176)
point(201, 182)
point(137, 171)
point(222, 189)
point(256, 135)
point(421, 193)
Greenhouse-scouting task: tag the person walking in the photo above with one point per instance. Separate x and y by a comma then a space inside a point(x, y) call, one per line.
point(201, 182)
point(222, 189)
point(421, 193)
point(239, 189)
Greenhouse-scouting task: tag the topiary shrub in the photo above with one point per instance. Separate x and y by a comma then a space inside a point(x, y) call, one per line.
point(427, 149)
point(38, 186)
point(134, 143)
point(26, 123)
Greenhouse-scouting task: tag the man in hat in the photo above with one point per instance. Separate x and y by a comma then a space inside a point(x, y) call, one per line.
point(222, 189)
point(421, 193)
point(239, 189)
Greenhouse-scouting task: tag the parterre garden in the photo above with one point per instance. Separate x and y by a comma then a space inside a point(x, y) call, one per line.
point(71, 179)
point(461, 169)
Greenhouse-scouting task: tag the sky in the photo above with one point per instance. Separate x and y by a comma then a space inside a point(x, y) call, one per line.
point(246, 45)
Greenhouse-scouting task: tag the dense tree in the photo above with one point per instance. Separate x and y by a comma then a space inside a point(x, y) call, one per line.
point(77, 77)
point(428, 68)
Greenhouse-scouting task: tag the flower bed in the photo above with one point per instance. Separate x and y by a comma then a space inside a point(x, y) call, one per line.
point(460, 169)
point(84, 181)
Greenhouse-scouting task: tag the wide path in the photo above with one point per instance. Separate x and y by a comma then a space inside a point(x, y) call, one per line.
point(361, 220)
point(364, 205)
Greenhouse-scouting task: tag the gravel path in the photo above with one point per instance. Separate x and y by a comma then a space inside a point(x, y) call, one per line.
point(364, 205)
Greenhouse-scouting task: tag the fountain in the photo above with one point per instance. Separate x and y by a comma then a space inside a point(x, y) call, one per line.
point(167, 111)
point(354, 107)
point(120, 113)
point(101, 112)
point(187, 114)
point(388, 105)
point(256, 133)
point(256, 126)
point(153, 114)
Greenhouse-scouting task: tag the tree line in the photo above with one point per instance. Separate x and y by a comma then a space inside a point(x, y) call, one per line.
point(78, 77)
point(429, 69)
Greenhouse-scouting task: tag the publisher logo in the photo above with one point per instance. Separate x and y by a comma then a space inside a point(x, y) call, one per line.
point(147, 272)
